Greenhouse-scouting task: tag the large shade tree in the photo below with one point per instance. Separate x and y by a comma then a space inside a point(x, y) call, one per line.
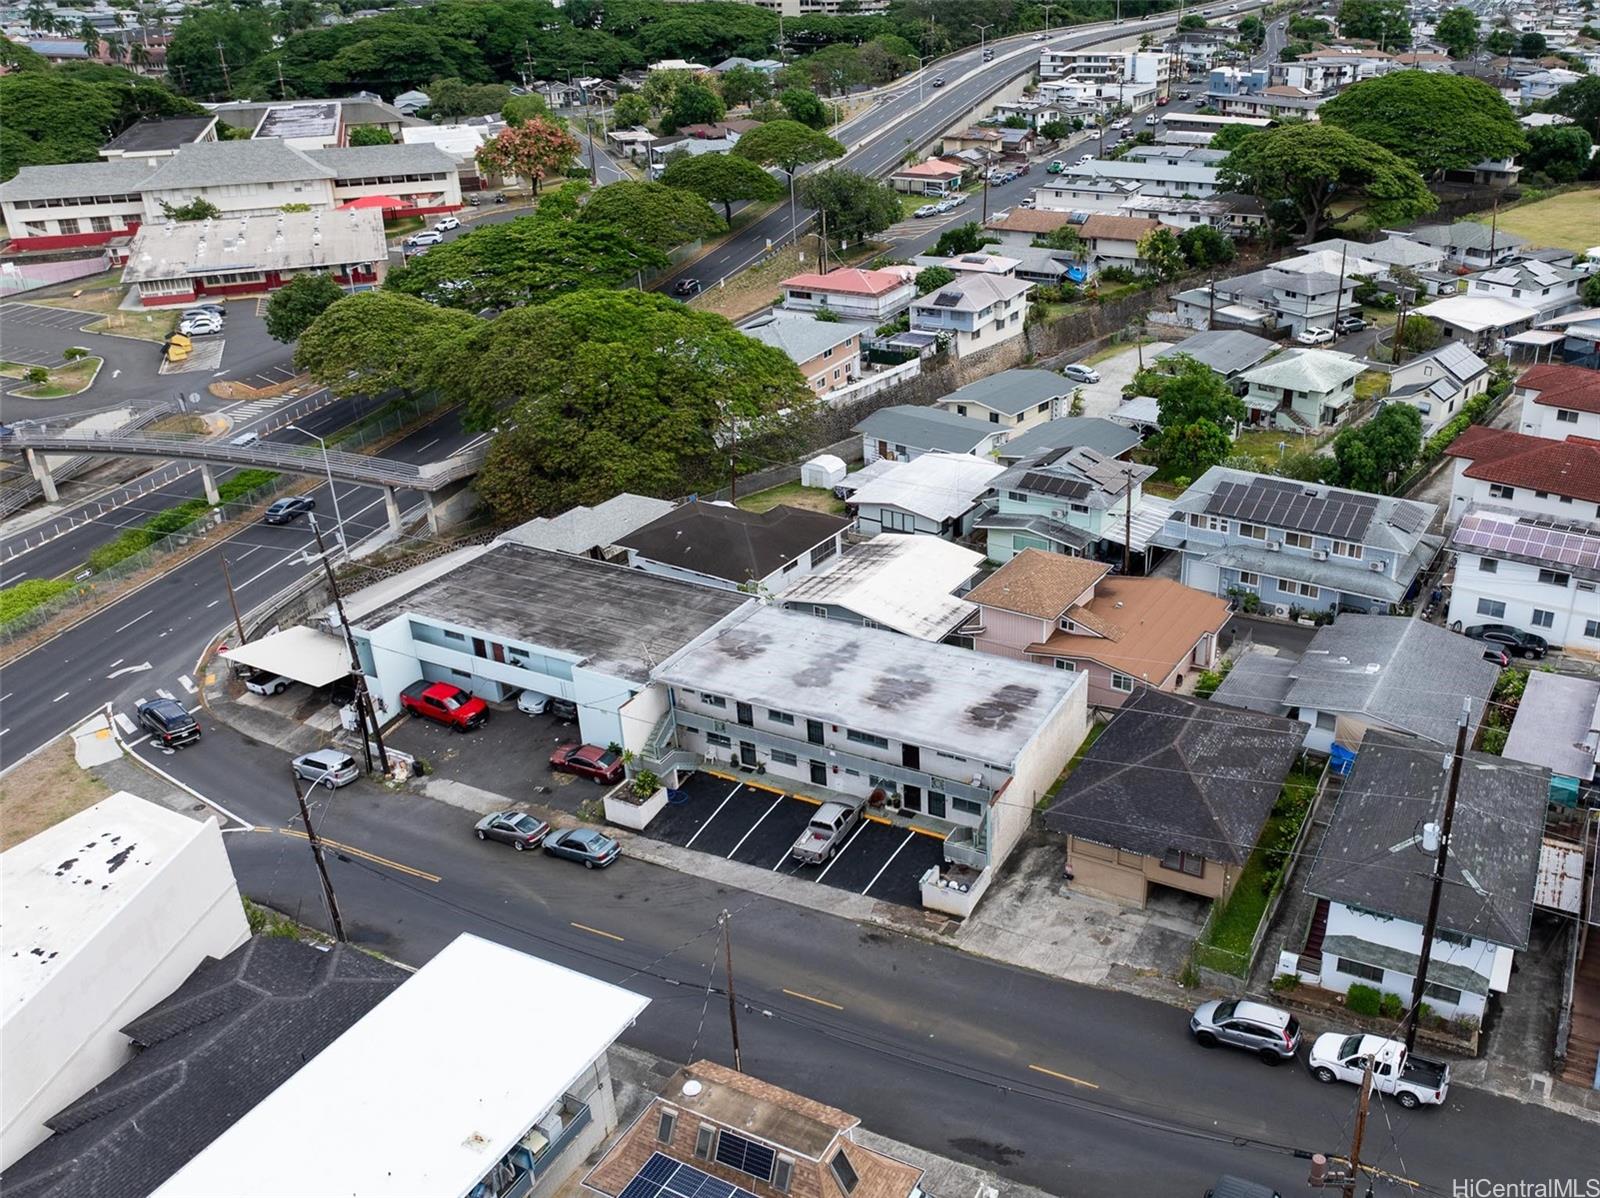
point(380, 340)
point(653, 214)
point(855, 206)
point(50, 116)
point(531, 150)
point(787, 145)
point(722, 179)
point(212, 47)
point(1435, 121)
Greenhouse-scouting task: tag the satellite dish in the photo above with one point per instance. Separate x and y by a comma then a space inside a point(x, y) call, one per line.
point(691, 1088)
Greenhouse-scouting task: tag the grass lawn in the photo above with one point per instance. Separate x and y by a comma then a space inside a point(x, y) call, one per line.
point(1372, 384)
point(1262, 444)
point(816, 499)
point(147, 326)
point(72, 379)
point(401, 226)
point(44, 791)
point(1112, 350)
point(910, 202)
point(1570, 221)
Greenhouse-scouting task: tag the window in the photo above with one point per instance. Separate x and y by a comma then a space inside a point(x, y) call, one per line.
point(994, 417)
point(1591, 629)
point(827, 353)
point(1492, 608)
point(782, 1173)
point(824, 551)
point(1018, 496)
point(1501, 491)
point(1543, 619)
point(866, 738)
point(1044, 407)
point(820, 612)
point(1304, 589)
point(745, 1155)
point(1348, 549)
point(1253, 532)
point(1298, 540)
point(1061, 663)
point(1188, 863)
point(791, 565)
point(668, 1125)
point(967, 806)
point(1488, 565)
point(713, 700)
point(1248, 578)
point(1209, 523)
point(1555, 578)
point(454, 636)
point(783, 758)
point(843, 1171)
point(703, 1140)
point(780, 717)
point(1447, 994)
point(716, 738)
point(1358, 970)
point(1121, 682)
point(1566, 416)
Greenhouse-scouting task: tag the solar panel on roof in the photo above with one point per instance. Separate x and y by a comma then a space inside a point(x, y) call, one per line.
point(1285, 504)
point(1407, 518)
point(663, 1177)
point(946, 299)
point(743, 1154)
point(1053, 484)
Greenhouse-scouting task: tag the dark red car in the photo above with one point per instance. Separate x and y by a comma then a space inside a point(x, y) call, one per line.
point(591, 761)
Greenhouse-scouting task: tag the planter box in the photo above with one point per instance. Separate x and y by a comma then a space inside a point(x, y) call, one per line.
point(621, 809)
point(949, 899)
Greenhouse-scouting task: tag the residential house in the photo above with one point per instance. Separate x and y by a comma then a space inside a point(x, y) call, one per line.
point(1195, 49)
point(1538, 86)
point(1098, 97)
point(589, 531)
point(1174, 794)
point(980, 262)
point(1363, 672)
point(1482, 322)
point(1150, 178)
point(1082, 195)
point(1064, 501)
point(1559, 401)
point(1548, 289)
point(409, 103)
point(973, 312)
point(1113, 241)
point(1315, 75)
point(967, 742)
point(718, 1130)
point(1533, 572)
point(1105, 437)
point(1557, 726)
point(1301, 390)
point(379, 1111)
point(905, 431)
point(1229, 212)
point(159, 138)
point(1041, 265)
point(1466, 243)
point(935, 177)
point(1073, 614)
point(99, 934)
point(1242, 302)
point(1311, 289)
point(720, 545)
point(1439, 383)
point(936, 494)
point(974, 137)
point(663, 150)
point(1377, 258)
point(909, 585)
point(1373, 880)
point(1021, 227)
point(874, 296)
point(1535, 476)
point(1229, 352)
point(1298, 545)
point(1013, 399)
point(828, 352)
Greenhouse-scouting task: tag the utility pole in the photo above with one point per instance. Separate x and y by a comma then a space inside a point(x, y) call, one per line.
point(1127, 523)
point(227, 79)
point(822, 214)
point(733, 1005)
point(988, 161)
point(1354, 1179)
point(1430, 928)
point(1494, 229)
point(1211, 305)
point(316, 853)
point(364, 708)
point(233, 602)
point(1338, 296)
point(1399, 328)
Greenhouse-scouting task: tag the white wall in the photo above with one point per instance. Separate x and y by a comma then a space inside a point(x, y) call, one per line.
point(1540, 420)
point(1038, 766)
point(1478, 955)
point(1517, 586)
point(246, 199)
point(1465, 491)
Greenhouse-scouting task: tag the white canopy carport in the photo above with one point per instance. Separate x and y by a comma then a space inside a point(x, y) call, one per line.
point(304, 654)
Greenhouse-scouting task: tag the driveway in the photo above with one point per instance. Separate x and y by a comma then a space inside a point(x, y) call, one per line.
point(1103, 398)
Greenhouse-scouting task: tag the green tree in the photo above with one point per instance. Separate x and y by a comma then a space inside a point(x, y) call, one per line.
point(371, 135)
point(208, 37)
point(517, 110)
point(1230, 136)
point(53, 116)
point(631, 109)
point(653, 214)
point(1190, 450)
point(931, 278)
point(531, 151)
point(834, 68)
point(454, 98)
point(1419, 334)
point(1064, 238)
point(198, 208)
point(1055, 130)
point(1312, 167)
point(1204, 246)
point(1532, 45)
point(1186, 391)
point(787, 145)
point(744, 85)
point(692, 104)
point(885, 59)
point(1308, 29)
point(856, 205)
point(1458, 31)
point(1161, 253)
point(722, 179)
point(1500, 42)
point(1383, 21)
point(608, 391)
point(1372, 456)
point(1580, 101)
point(1434, 121)
point(297, 304)
point(1252, 32)
point(1590, 291)
point(524, 261)
point(1559, 152)
point(803, 106)
point(967, 238)
point(1191, 21)
point(379, 341)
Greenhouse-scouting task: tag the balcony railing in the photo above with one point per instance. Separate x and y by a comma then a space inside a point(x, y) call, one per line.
point(521, 1169)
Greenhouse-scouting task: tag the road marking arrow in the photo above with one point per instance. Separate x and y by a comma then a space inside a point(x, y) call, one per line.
point(129, 670)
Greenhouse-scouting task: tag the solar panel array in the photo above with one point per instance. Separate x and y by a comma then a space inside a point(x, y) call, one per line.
point(1531, 539)
point(1282, 504)
point(1407, 517)
point(1042, 482)
point(745, 1155)
point(663, 1177)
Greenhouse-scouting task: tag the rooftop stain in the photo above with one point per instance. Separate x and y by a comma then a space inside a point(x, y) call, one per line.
point(1000, 709)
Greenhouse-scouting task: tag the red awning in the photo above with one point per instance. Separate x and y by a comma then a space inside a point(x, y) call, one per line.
point(384, 202)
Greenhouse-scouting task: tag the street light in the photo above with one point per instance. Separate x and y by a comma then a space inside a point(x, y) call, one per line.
point(983, 31)
point(922, 73)
point(332, 490)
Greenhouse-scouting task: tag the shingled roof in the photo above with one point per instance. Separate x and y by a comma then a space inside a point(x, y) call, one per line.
point(1568, 468)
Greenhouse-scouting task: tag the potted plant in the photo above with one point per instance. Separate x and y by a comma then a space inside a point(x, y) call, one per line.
point(636, 801)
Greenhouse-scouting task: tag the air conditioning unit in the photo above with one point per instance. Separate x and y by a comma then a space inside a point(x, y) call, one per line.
point(1375, 567)
point(1320, 555)
point(1274, 546)
point(1281, 610)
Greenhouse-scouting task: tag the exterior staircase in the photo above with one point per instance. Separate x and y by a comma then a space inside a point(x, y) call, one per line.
point(1295, 421)
point(1311, 955)
point(1582, 1064)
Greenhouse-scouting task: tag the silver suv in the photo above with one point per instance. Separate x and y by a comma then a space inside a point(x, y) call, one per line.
point(1271, 1034)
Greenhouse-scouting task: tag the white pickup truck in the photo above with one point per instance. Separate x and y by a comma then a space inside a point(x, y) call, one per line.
point(1412, 1080)
point(826, 833)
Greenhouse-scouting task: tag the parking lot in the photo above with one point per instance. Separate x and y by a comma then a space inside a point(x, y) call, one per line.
point(756, 825)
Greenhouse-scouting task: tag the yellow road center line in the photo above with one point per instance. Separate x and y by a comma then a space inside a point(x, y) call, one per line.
point(583, 927)
point(821, 1002)
point(366, 856)
point(1066, 1077)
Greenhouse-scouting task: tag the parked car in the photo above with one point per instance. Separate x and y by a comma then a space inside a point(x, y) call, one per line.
point(1162, 101)
point(825, 834)
point(687, 287)
point(214, 309)
point(1079, 373)
point(1085, 160)
point(926, 210)
point(169, 722)
point(445, 703)
point(286, 509)
point(1056, 167)
point(332, 768)
point(532, 703)
point(445, 223)
point(426, 237)
point(1349, 324)
point(588, 761)
point(264, 682)
point(201, 324)
point(595, 849)
point(1026, 202)
point(516, 828)
point(563, 709)
point(1314, 335)
point(1271, 1034)
point(1413, 1081)
point(1523, 644)
point(211, 313)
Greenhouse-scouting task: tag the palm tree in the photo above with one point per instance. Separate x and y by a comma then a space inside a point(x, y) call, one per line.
point(91, 38)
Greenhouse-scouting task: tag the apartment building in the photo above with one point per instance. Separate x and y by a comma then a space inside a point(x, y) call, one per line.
point(1536, 476)
point(1558, 401)
point(1533, 572)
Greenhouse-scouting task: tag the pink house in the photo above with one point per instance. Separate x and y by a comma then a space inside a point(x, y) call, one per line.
point(852, 293)
point(935, 177)
point(1074, 614)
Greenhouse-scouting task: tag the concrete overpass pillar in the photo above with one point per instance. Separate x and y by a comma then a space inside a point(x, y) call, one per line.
point(391, 503)
point(433, 514)
point(41, 471)
point(209, 482)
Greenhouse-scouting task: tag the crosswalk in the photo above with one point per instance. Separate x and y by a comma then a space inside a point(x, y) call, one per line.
point(253, 409)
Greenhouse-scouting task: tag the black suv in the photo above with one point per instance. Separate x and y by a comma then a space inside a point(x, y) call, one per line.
point(1524, 644)
point(284, 510)
point(169, 722)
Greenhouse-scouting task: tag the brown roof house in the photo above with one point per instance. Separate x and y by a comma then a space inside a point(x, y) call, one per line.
point(711, 1122)
point(1125, 633)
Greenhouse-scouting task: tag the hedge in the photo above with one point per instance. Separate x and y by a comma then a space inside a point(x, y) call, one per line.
point(176, 519)
point(17, 601)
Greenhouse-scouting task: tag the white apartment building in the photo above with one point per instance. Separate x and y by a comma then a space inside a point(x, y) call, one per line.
point(974, 311)
point(1536, 476)
point(1559, 401)
point(1107, 66)
point(1532, 572)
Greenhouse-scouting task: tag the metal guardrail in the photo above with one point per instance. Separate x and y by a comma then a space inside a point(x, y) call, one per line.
point(25, 491)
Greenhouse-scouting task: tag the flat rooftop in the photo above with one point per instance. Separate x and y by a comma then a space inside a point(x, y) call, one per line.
point(974, 704)
point(246, 244)
point(318, 119)
point(419, 1097)
point(616, 620)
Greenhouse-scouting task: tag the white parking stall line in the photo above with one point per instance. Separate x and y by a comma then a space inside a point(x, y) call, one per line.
point(754, 826)
point(714, 814)
point(888, 863)
point(845, 848)
point(125, 724)
point(164, 693)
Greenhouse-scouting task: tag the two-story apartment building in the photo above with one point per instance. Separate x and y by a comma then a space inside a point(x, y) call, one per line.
point(1063, 501)
point(1014, 399)
point(1301, 389)
point(851, 293)
point(828, 352)
point(1133, 66)
point(1536, 573)
point(1558, 401)
point(1297, 545)
point(720, 545)
point(974, 312)
point(1535, 476)
point(967, 742)
point(1548, 289)
point(1151, 178)
point(1114, 240)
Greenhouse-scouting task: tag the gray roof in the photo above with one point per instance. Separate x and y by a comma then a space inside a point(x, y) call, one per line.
point(365, 109)
point(1038, 260)
point(1012, 392)
point(730, 543)
point(1171, 772)
point(1076, 475)
point(613, 619)
point(1371, 857)
point(580, 529)
point(1465, 234)
point(118, 176)
point(1056, 531)
point(1258, 682)
point(412, 158)
point(976, 705)
point(1401, 672)
point(1454, 357)
point(213, 163)
point(1227, 351)
point(1557, 725)
point(919, 427)
point(1066, 432)
point(801, 335)
point(227, 1037)
point(1315, 371)
point(166, 134)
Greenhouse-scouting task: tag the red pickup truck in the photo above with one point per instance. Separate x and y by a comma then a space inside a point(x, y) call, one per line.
point(445, 703)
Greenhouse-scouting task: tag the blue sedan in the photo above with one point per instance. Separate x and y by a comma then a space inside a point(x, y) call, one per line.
point(594, 849)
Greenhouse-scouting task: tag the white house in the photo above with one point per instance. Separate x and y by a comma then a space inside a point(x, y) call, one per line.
point(720, 545)
point(1372, 877)
point(1548, 289)
point(1438, 383)
point(975, 311)
point(106, 914)
point(936, 494)
point(1482, 322)
point(1151, 178)
point(1535, 573)
point(1301, 389)
point(909, 585)
point(1114, 240)
point(904, 431)
point(877, 296)
point(1014, 399)
point(1559, 401)
point(1535, 476)
point(1466, 243)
